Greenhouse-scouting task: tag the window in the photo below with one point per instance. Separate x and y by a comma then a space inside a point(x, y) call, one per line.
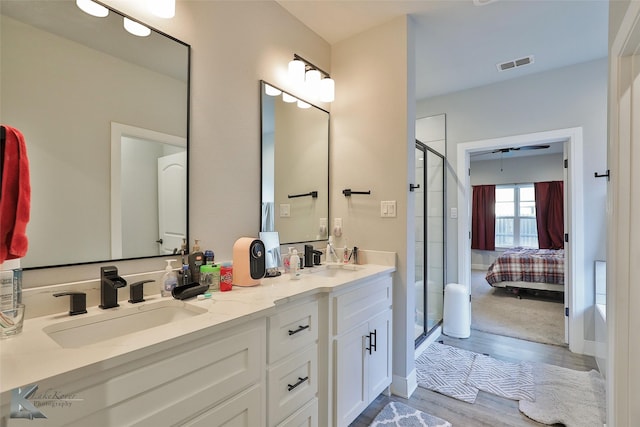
point(516, 216)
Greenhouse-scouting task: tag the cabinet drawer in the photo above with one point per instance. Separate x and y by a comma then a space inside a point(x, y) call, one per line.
point(359, 305)
point(304, 417)
point(242, 410)
point(292, 383)
point(292, 329)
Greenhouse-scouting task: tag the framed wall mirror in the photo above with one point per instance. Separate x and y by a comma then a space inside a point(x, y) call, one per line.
point(295, 167)
point(105, 117)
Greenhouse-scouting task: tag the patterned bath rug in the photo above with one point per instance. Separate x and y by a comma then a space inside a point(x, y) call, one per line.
point(445, 369)
point(566, 396)
point(506, 379)
point(399, 414)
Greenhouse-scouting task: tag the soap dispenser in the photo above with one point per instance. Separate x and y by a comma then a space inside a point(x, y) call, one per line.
point(169, 280)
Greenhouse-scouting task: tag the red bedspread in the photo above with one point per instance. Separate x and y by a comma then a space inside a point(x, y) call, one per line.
point(528, 265)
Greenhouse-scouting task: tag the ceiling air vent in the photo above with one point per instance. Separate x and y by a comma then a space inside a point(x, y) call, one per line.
point(520, 62)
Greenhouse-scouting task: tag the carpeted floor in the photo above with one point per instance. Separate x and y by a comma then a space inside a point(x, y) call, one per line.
point(533, 318)
point(398, 414)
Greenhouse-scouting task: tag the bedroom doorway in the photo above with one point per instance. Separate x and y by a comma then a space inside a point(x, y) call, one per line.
point(574, 264)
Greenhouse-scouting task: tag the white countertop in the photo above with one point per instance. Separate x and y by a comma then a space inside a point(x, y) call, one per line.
point(33, 356)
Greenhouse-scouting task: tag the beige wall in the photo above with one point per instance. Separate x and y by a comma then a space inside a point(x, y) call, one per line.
point(370, 141)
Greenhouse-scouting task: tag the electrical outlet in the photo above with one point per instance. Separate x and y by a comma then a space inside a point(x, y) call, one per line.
point(285, 210)
point(337, 227)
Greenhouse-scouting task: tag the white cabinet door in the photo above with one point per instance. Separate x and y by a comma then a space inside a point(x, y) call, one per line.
point(350, 397)
point(379, 361)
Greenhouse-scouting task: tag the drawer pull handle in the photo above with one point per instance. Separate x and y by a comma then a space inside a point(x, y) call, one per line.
point(300, 381)
point(300, 329)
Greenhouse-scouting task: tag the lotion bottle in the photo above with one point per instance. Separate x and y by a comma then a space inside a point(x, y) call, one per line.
point(294, 265)
point(169, 280)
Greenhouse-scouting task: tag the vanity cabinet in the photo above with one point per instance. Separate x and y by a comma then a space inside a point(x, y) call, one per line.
point(362, 347)
point(214, 380)
point(292, 372)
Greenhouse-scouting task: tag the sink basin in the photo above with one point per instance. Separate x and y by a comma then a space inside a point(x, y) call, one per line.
point(83, 331)
point(333, 270)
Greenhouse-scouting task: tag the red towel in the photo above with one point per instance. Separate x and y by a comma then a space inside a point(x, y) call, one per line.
point(15, 197)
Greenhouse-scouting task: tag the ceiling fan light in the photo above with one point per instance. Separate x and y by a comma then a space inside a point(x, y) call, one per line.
point(136, 28)
point(92, 8)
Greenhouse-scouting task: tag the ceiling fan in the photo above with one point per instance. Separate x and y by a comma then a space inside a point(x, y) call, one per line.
point(526, 147)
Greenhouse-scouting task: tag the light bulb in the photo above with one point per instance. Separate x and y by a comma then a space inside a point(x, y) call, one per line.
point(288, 98)
point(135, 28)
point(271, 91)
point(327, 90)
point(92, 8)
point(296, 72)
point(312, 83)
point(302, 104)
point(163, 8)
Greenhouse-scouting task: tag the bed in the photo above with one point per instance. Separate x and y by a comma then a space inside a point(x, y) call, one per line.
point(521, 268)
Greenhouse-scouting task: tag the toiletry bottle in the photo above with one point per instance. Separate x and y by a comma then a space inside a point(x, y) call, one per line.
point(294, 265)
point(169, 280)
point(206, 275)
point(226, 277)
point(345, 254)
point(196, 246)
point(209, 256)
point(328, 256)
point(215, 282)
point(286, 261)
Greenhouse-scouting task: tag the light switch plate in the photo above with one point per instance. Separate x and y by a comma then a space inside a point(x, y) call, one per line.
point(388, 209)
point(454, 213)
point(285, 210)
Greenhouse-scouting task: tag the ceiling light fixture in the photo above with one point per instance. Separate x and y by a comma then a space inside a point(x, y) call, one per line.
point(163, 8)
point(314, 82)
point(92, 8)
point(136, 28)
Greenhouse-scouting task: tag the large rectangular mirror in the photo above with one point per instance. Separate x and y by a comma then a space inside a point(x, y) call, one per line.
point(105, 118)
point(295, 167)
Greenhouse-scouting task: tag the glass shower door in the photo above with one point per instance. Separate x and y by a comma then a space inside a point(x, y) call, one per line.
point(430, 232)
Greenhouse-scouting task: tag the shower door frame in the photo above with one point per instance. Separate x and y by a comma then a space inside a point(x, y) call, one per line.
point(426, 330)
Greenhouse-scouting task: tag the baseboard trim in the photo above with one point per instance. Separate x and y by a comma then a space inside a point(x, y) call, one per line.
point(404, 387)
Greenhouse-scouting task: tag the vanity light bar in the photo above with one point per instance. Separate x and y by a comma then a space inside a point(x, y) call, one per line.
point(313, 81)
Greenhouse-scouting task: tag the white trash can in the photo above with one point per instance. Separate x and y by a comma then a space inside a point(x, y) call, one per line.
point(457, 311)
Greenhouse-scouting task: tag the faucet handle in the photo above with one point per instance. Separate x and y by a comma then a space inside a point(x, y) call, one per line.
point(136, 293)
point(78, 304)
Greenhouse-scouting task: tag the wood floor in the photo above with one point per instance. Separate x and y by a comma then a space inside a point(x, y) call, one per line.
point(488, 410)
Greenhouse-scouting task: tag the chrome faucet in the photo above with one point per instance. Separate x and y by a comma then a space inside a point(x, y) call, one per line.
point(109, 284)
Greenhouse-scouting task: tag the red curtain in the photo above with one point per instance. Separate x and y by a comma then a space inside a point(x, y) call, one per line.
point(483, 218)
point(550, 214)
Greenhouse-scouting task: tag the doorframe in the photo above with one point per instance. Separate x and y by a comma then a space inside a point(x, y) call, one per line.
point(575, 294)
point(623, 202)
point(118, 131)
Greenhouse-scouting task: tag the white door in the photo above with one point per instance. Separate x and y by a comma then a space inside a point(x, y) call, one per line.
point(172, 199)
